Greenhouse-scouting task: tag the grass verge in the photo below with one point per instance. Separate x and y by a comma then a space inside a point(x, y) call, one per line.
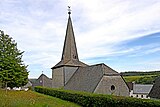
point(31, 99)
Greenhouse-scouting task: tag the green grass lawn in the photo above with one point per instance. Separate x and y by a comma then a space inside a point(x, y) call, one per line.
point(31, 99)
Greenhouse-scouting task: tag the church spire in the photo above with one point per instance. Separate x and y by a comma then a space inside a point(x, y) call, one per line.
point(69, 54)
point(69, 49)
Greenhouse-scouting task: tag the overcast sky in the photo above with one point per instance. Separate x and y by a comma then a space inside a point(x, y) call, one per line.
point(123, 34)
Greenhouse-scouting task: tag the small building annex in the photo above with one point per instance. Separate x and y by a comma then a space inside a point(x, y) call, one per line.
point(140, 90)
point(42, 80)
point(72, 74)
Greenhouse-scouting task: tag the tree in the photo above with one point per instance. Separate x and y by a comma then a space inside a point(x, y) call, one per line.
point(146, 79)
point(13, 72)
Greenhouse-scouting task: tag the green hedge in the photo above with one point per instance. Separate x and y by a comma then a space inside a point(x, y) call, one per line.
point(97, 100)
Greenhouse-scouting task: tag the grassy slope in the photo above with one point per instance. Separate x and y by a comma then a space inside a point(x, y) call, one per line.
point(131, 78)
point(140, 77)
point(31, 99)
point(136, 78)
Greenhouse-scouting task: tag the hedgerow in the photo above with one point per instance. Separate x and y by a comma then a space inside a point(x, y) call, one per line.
point(97, 100)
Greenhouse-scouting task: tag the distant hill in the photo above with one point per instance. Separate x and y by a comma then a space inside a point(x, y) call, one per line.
point(139, 73)
point(140, 77)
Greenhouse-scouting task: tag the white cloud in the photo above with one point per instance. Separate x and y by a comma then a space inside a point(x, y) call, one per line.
point(100, 26)
point(157, 49)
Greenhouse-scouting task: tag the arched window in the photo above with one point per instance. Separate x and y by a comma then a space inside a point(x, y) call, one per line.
point(112, 87)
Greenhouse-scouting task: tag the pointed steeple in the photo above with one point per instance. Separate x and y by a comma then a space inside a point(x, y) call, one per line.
point(69, 49)
point(69, 54)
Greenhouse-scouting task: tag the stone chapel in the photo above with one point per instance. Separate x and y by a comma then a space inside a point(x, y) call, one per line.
point(72, 74)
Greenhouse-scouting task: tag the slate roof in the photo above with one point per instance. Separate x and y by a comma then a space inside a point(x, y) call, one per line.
point(87, 78)
point(155, 91)
point(130, 85)
point(142, 88)
point(29, 84)
point(108, 71)
point(74, 63)
point(33, 80)
point(69, 54)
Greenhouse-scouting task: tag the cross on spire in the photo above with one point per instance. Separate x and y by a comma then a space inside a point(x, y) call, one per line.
point(69, 10)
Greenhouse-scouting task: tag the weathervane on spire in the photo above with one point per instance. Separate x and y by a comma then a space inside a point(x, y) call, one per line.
point(69, 10)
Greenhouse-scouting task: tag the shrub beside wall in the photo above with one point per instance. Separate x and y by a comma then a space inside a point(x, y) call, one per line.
point(97, 100)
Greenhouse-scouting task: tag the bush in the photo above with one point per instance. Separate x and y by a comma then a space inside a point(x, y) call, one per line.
point(97, 100)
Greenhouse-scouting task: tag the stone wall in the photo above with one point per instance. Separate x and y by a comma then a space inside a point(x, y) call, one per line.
point(58, 77)
point(114, 85)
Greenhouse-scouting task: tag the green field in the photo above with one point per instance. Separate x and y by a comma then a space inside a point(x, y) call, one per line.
point(141, 79)
point(132, 78)
point(31, 99)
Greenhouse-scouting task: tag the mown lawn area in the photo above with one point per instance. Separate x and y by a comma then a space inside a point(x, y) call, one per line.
point(31, 99)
